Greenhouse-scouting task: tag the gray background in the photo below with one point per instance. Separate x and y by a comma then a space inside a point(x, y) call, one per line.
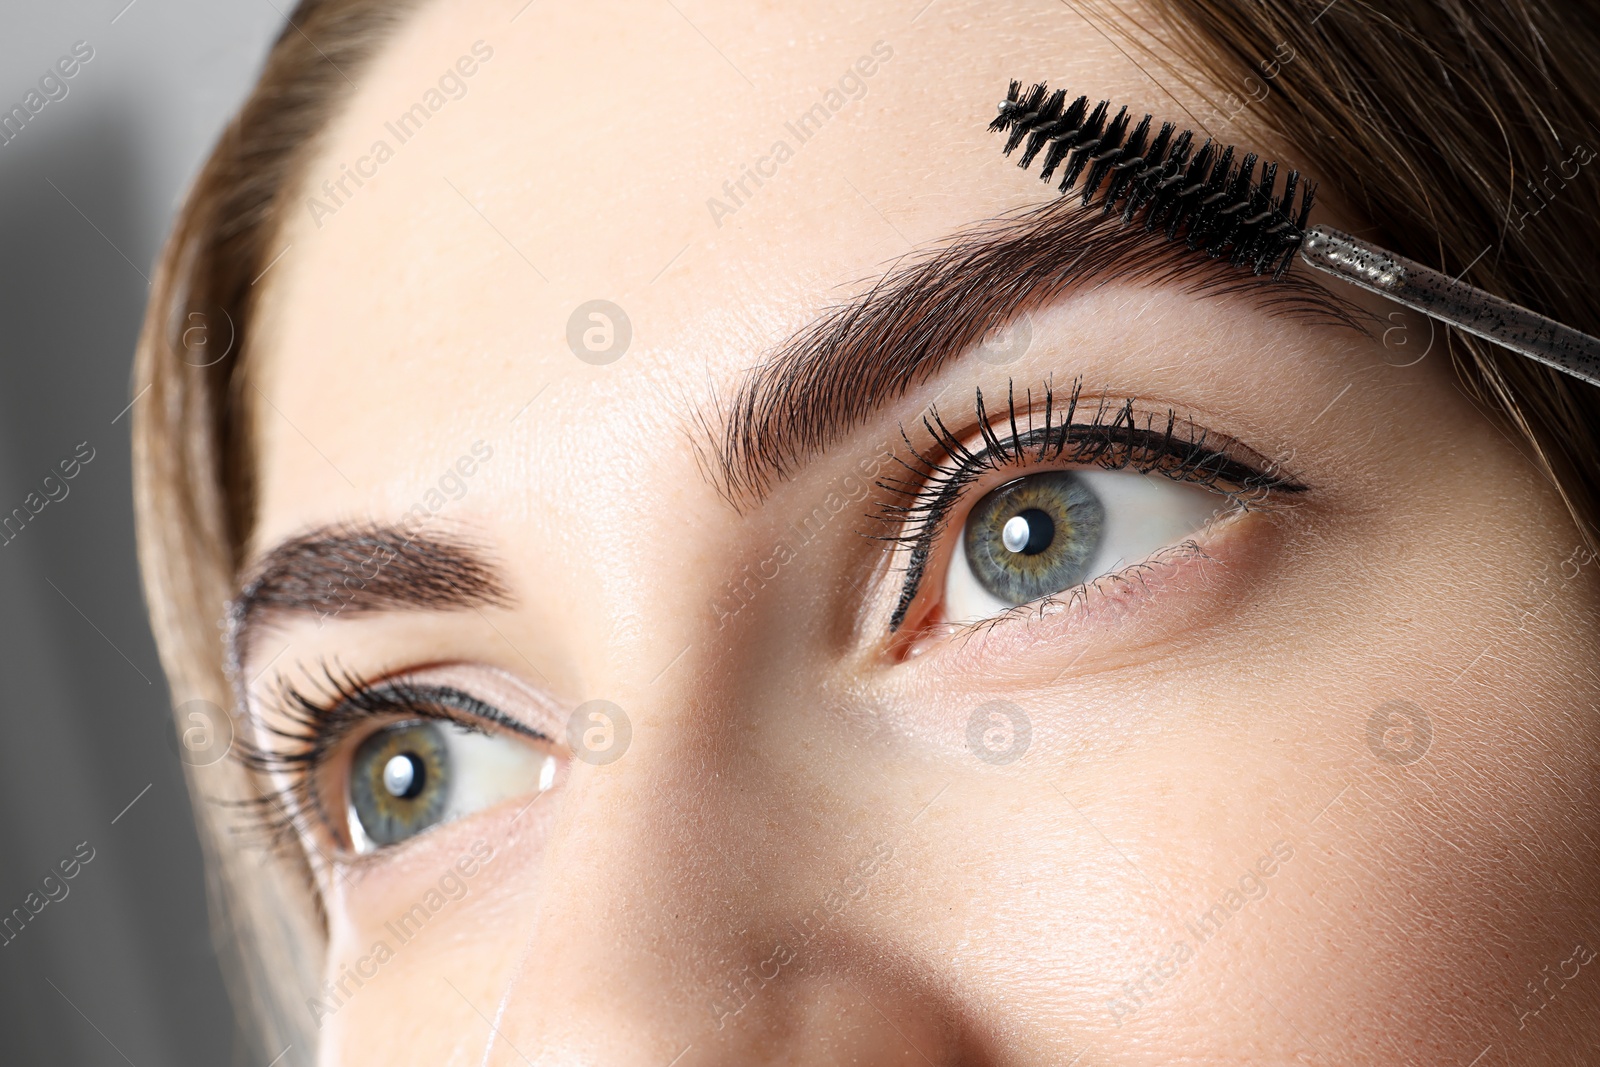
point(121, 971)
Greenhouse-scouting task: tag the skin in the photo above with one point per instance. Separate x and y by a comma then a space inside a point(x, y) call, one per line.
point(1181, 727)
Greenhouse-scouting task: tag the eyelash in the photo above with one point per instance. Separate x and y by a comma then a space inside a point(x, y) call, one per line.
point(322, 720)
point(1113, 439)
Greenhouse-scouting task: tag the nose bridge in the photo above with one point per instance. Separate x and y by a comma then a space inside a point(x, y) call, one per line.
point(697, 900)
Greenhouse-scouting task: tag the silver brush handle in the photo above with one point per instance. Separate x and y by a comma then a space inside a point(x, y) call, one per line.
point(1442, 297)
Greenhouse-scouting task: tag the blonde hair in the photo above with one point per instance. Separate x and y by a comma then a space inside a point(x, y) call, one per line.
point(1427, 117)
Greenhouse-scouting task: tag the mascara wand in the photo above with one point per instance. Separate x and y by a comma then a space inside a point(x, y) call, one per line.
point(1228, 210)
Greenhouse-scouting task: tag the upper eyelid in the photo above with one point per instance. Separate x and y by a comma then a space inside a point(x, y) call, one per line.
point(1259, 473)
point(484, 710)
point(321, 725)
point(1125, 418)
point(434, 703)
point(1135, 438)
point(1076, 594)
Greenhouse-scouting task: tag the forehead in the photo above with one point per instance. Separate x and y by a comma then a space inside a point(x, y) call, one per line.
point(507, 198)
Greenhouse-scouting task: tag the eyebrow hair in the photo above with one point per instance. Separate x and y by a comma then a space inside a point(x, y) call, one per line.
point(361, 570)
point(832, 374)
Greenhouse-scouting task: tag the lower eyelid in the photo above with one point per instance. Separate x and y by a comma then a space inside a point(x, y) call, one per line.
point(1106, 623)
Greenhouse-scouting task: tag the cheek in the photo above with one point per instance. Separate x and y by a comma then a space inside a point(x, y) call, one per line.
point(1432, 782)
point(1419, 774)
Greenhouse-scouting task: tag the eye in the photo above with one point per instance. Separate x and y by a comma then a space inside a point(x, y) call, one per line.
point(363, 764)
point(1050, 497)
point(408, 777)
point(1046, 533)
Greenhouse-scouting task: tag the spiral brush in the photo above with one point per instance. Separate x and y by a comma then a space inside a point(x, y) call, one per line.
point(1232, 210)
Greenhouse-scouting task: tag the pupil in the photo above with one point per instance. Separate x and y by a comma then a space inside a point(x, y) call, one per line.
point(1029, 533)
point(403, 776)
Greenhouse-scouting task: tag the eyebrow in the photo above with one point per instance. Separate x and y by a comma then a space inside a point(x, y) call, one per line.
point(824, 380)
point(361, 570)
point(835, 372)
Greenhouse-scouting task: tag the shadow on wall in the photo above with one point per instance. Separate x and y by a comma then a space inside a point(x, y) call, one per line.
point(112, 964)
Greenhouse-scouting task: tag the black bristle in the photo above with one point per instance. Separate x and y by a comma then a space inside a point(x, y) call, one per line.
point(1092, 138)
point(1101, 160)
point(1227, 209)
point(1044, 122)
point(1008, 108)
point(1123, 172)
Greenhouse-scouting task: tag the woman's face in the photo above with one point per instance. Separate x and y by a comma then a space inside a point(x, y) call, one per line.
point(857, 735)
